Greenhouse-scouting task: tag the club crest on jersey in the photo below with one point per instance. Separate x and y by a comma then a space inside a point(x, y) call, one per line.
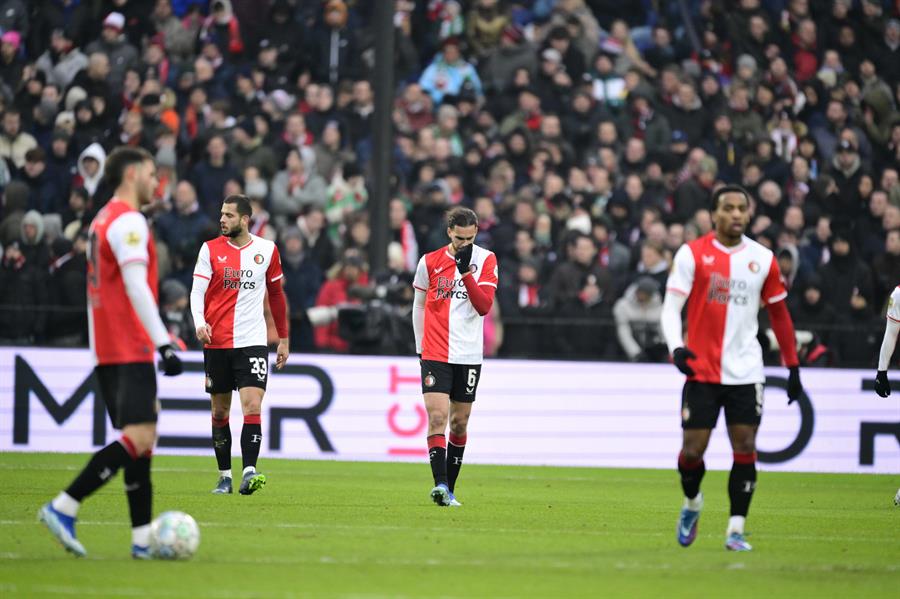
point(429, 380)
point(685, 414)
point(258, 258)
point(473, 268)
point(753, 266)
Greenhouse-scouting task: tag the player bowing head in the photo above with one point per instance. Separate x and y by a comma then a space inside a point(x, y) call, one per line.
point(235, 217)
point(455, 288)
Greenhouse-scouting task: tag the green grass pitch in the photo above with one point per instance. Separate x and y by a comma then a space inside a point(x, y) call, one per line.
point(360, 530)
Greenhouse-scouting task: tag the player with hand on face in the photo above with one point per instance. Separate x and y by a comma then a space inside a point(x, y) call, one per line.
point(888, 343)
point(231, 278)
point(454, 290)
point(126, 332)
point(724, 277)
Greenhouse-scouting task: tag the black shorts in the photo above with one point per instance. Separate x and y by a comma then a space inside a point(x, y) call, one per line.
point(701, 402)
point(129, 392)
point(459, 381)
point(230, 369)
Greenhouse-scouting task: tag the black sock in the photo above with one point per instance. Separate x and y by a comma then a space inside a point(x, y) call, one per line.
point(742, 483)
point(221, 437)
point(102, 466)
point(437, 454)
point(139, 490)
point(455, 450)
point(251, 439)
point(691, 475)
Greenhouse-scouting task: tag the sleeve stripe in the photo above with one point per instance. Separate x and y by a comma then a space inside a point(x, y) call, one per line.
point(677, 290)
point(419, 288)
point(494, 285)
point(892, 318)
point(197, 274)
point(777, 298)
point(133, 260)
point(281, 276)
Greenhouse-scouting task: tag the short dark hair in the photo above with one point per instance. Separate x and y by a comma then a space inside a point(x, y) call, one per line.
point(120, 159)
point(461, 217)
point(728, 189)
point(242, 202)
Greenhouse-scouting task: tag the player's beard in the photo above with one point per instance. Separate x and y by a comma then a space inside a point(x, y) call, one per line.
point(232, 232)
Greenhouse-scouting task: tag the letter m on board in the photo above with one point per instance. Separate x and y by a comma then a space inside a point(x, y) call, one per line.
point(28, 383)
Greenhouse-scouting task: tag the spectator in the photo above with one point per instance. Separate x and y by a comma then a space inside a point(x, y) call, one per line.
point(43, 194)
point(15, 204)
point(23, 294)
point(296, 187)
point(112, 42)
point(500, 63)
point(11, 63)
point(67, 291)
point(335, 292)
point(302, 281)
point(447, 73)
point(579, 287)
point(63, 59)
point(208, 176)
point(334, 52)
point(637, 314)
point(91, 165)
point(14, 142)
point(176, 314)
point(183, 230)
point(845, 274)
point(76, 216)
point(330, 153)
point(321, 249)
point(249, 150)
point(484, 26)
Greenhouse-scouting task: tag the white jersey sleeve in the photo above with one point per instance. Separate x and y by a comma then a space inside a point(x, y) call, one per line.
point(128, 236)
point(893, 309)
point(681, 277)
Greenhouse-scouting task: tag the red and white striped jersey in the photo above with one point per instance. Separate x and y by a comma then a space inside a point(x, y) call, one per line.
point(893, 307)
point(119, 235)
point(726, 287)
point(233, 305)
point(454, 331)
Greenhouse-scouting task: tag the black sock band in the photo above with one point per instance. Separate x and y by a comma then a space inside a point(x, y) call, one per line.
point(691, 475)
point(251, 440)
point(455, 450)
point(742, 483)
point(221, 438)
point(102, 466)
point(139, 489)
point(437, 455)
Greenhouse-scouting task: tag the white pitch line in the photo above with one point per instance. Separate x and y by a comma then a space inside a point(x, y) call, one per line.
point(356, 529)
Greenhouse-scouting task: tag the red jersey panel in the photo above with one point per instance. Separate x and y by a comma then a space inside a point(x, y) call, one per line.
point(726, 287)
point(454, 331)
point(238, 276)
point(119, 235)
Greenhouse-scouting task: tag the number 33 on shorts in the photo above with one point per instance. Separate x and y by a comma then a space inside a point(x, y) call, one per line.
point(259, 367)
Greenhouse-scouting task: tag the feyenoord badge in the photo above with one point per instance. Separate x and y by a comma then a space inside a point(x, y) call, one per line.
point(429, 380)
point(258, 258)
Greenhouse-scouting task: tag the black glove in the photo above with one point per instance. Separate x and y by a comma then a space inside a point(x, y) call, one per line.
point(794, 387)
point(463, 257)
point(171, 363)
point(882, 385)
point(680, 357)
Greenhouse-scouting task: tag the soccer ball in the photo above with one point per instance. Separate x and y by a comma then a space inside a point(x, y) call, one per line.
point(897, 498)
point(174, 535)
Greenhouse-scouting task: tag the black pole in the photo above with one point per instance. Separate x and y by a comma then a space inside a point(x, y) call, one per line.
point(382, 148)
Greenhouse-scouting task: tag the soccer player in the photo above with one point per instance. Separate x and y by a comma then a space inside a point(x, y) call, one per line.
point(125, 329)
point(724, 277)
point(454, 289)
point(232, 275)
point(888, 343)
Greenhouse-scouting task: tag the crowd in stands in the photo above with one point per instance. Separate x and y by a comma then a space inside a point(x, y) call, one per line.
point(586, 134)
